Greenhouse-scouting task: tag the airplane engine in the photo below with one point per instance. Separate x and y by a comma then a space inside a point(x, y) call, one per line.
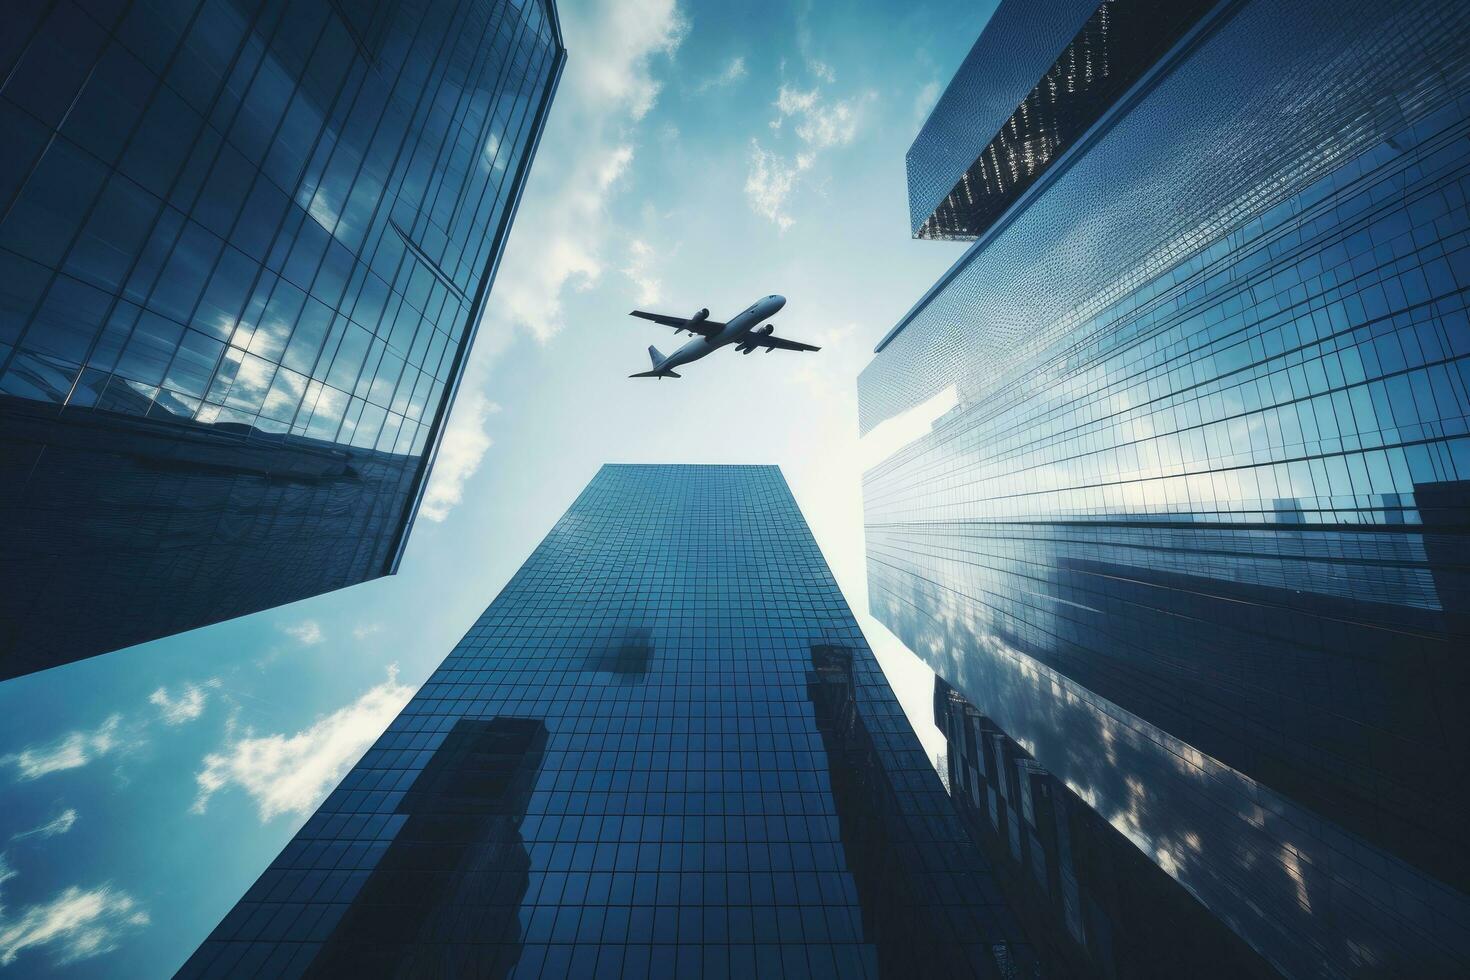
point(700, 315)
point(768, 329)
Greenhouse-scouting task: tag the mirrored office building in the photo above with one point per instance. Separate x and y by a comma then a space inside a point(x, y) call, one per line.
point(243, 250)
point(1174, 485)
point(1093, 904)
point(664, 750)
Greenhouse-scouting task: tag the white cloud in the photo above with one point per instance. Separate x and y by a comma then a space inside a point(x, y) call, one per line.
point(465, 443)
point(924, 101)
point(733, 72)
point(609, 87)
point(186, 707)
point(769, 183)
point(76, 924)
point(82, 747)
point(615, 69)
point(366, 630)
point(907, 427)
point(62, 823)
point(638, 269)
point(565, 253)
point(308, 632)
point(294, 773)
point(563, 227)
point(820, 125)
point(71, 751)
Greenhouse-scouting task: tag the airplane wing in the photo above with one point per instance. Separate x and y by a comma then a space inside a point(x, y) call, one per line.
point(705, 327)
point(774, 343)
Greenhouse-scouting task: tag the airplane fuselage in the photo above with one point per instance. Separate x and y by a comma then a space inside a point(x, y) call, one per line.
point(736, 328)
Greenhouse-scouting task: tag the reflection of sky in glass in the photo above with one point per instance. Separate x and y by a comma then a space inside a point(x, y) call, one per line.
point(1271, 869)
point(797, 411)
point(1187, 534)
point(712, 776)
point(1204, 122)
point(1096, 901)
point(290, 259)
point(312, 250)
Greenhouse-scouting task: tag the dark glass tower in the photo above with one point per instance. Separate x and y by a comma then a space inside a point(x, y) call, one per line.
point(1092, 902)
point(244, 247)
point(664, 749)
point(1189, 517)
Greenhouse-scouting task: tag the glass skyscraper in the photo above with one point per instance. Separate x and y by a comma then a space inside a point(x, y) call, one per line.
point(1188, 508)
point(1093, 904)
point(244, 246)
point(665, 749)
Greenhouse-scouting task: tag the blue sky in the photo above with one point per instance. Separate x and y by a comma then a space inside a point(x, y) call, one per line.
point(697, 155)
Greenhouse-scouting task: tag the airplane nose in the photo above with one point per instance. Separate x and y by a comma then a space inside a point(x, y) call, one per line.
point(780, 301)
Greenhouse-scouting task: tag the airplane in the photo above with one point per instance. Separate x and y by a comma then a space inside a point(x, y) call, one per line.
point(712, 335)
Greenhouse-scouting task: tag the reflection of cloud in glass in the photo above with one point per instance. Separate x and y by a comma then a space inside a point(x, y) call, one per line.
point(284, 396)
point(489, 156)
point(252, 380)
point(323, 209)
point(327, 412)
point(1265, 865)
point(905, 428)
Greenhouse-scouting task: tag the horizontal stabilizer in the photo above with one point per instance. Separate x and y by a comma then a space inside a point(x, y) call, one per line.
point(657, 372)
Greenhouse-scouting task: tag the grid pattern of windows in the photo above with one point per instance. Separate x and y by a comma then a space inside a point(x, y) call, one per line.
point(1019, 43)
point(1118, 44)
point(1109, 226)
point(1092, 903)
point(1193, 532)
point(665, 749)
point(263, 232)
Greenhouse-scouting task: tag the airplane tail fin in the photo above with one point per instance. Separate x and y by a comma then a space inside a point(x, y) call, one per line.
point(657, 372)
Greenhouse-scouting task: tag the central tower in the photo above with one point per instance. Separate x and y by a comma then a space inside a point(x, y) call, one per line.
point(665, 747)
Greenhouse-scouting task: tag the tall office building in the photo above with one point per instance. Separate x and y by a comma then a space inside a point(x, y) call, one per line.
point(244, 247)
point(1189, 514)
point(1092, 904)
point(665, 749)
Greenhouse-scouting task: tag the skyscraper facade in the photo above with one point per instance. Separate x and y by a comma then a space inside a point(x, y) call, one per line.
point(1092, 903)
point(244, 248)
point(1187, 515)
point(665, 749)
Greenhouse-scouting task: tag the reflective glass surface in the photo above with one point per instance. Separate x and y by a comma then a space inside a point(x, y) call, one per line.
point(1093, 904)
point(243, 248)
point(665, 749)
point(1115, 47)
point(1193, 530)
point(1020, 43)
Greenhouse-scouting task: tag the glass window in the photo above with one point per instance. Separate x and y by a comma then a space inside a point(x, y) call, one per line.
point(111, 104)
point(150, 348)
point(52, 204)
point(193, 365)
point(224, 299)
point(69, 319)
